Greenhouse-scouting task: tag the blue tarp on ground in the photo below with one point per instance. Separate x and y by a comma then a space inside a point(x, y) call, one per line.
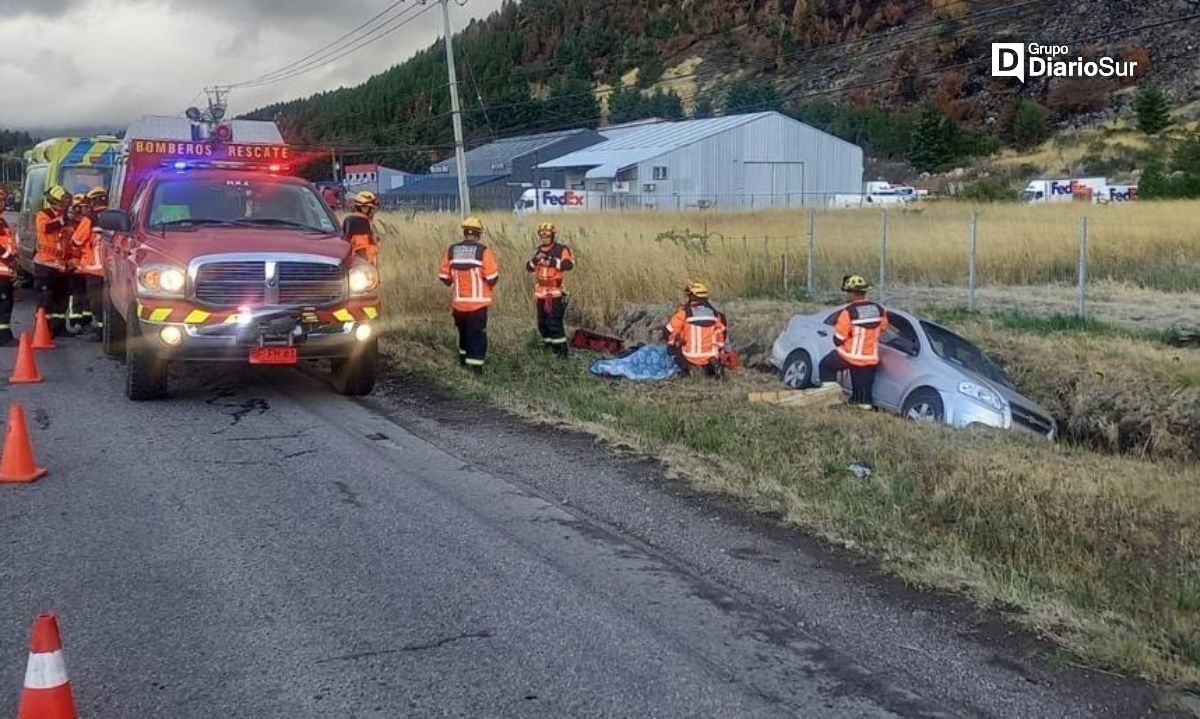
point(649, 362)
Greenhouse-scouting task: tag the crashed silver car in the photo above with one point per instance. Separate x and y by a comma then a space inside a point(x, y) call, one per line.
point(926, 373)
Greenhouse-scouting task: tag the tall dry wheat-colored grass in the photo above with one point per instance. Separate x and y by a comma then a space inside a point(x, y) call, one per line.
point(647, 257)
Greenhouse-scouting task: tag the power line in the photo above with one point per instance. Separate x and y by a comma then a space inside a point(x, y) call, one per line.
point(373, 36)
point(322, 49)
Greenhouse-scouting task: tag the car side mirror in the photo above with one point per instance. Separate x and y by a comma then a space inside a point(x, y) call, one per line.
point(115, 221)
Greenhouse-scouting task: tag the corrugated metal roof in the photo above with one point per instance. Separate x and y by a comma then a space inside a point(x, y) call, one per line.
point(497, 156)
point(153, 127)
point(633, 145)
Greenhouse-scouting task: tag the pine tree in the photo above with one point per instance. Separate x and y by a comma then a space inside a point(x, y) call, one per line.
point(749, 96)
point(1029, 124)
point(1152, 110)
point(703, 108)
point(933, 140)
point(626, 104)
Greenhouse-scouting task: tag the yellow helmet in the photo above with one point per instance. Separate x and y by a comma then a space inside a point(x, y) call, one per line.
point(473, 223)
point(57, 194)
point(698, 290)
point(366, 198)
point(78, 198)
point(547, 227)
point(97, 193)
point(855, 283)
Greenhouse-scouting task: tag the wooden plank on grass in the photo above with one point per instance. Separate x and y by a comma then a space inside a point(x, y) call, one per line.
point(799, 398)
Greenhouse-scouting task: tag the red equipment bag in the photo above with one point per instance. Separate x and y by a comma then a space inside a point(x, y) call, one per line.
point(588, 340)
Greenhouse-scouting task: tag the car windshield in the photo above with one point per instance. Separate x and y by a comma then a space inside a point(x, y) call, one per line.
point(79, 180)
point(958, 351)
point(183, 202)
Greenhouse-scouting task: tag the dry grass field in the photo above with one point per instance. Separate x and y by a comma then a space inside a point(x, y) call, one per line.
point(1093, 542)
point(646, 257)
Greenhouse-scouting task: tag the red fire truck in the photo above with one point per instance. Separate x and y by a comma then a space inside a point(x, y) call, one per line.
point(214, 252)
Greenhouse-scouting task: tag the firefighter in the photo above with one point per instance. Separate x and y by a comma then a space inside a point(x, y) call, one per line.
point(696, 333)
point(856, 342)
point(89, 271)
point(549, 263)
point(8, 272)
point(470, 268)
point(76, 281)
point(358, 228)
point(50, 258)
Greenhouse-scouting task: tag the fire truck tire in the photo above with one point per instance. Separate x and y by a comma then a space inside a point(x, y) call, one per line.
point(355, 376)
point(145, 370)
point(113, 335)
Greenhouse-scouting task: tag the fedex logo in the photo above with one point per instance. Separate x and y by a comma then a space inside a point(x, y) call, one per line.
point(1126, 193)
point(1060, 188)
point(567, 198)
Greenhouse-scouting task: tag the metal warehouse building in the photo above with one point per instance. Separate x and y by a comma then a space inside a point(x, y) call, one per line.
point(762, 159)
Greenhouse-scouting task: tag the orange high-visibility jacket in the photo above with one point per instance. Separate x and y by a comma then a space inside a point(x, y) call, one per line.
point(550, 264)
point(699, 330)
point(51, 252)
point(357, 228)
point(856, 333)
point(472, 270)
point(85, 244)
point(8, 252)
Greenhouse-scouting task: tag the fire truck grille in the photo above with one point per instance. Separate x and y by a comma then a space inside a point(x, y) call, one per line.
point(244, 282)
point(309, 283)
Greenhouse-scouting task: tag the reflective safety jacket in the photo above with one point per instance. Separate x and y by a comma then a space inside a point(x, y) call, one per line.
point(85, 248)
point(856, 333)
point(551, 262)
point(471, 269)
point(699, 330)
point(51, 250)
point(8, 253)
point(358, 230)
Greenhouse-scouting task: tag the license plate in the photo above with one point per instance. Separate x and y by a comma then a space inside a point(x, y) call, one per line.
point(274, 355)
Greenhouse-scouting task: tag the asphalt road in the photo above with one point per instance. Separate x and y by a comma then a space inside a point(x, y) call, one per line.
point(256, 546)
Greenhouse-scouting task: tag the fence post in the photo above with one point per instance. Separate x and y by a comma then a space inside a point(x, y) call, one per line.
point(883, 238)
point(1081, 311)
point(971, 261)
point(810, 280)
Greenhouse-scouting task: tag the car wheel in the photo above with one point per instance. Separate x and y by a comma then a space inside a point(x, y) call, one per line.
point(925, 406)
point(145, 370)
point(113, 334)
point(355, 376)
point(797, 371)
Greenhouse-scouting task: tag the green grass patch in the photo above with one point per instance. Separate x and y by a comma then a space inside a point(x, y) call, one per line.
point(1051, 324)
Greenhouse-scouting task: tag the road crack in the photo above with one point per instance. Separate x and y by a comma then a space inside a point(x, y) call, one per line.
point(426, 646)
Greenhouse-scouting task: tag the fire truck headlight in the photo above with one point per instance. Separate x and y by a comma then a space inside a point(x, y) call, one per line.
point(171, 336)
point(172, 280)
point(162, 280)
point(363, 332)
point(363, 279)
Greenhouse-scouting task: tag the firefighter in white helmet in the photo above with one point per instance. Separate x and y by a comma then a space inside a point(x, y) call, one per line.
point(550, 262)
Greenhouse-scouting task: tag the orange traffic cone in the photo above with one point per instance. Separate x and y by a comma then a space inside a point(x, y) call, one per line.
point(25, 371)
point(47, 692)
point(17, 464)
point(43, 338)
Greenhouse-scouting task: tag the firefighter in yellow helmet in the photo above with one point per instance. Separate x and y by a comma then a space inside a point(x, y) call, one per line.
point(471, 269)
point(88, 279)
point(856, 333)
point(50, 257)
point(358, 227)
point(550, 262)
point(76, 281)
point(697, 332)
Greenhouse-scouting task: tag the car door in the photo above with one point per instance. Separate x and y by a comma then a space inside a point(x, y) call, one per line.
point(899, 350)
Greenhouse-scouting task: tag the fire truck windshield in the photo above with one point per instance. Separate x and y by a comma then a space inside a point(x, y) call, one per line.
point(189, 201)
point(80, 179)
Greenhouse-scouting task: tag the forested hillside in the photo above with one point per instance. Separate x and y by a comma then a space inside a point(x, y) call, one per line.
point(874, 71)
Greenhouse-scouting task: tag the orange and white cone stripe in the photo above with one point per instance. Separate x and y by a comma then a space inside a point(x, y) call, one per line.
point(47, 692)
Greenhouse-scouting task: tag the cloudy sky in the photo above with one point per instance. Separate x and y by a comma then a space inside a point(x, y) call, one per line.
point(85, 63)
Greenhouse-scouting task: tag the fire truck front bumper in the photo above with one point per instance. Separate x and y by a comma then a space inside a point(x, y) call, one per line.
point(188, 334)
